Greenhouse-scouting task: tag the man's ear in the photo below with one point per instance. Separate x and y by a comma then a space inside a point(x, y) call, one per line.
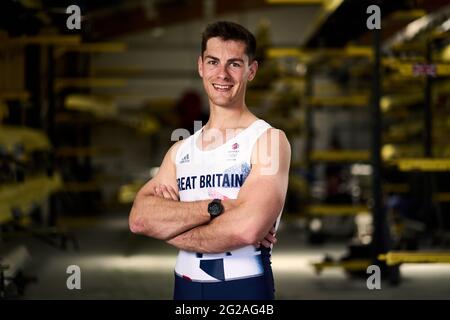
point(200, 66)
point(253, 68)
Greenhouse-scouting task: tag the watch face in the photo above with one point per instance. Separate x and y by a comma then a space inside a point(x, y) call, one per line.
point(214, 208)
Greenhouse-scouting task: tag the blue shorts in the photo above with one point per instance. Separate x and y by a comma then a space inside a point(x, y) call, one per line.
point(253, 288)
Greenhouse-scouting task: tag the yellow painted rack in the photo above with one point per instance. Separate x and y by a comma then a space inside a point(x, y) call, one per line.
point(423, 164)
point(340, 156)
point(347, 265)
point(361, 100)
point(337, 210)
point(399, 257)
point(31, 139)
point(128, 192)
point(25, 195)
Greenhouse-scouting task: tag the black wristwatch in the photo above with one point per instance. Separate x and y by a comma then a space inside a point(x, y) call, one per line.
point(215, 208)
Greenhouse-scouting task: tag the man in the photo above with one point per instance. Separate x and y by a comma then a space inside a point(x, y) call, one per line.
point(231, 179)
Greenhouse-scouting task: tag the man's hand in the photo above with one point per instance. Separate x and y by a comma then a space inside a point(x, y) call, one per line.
point(268, 240)
point(166, 192)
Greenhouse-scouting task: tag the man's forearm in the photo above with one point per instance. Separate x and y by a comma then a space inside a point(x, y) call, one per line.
point(164, 219)
point(207, 239)
point(222, 234)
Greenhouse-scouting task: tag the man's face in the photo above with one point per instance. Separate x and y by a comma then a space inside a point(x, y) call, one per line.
point(225, 71)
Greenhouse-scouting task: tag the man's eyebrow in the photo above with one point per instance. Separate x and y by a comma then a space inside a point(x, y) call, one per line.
point(211, 57)
point(229, 60)
point(235, 60)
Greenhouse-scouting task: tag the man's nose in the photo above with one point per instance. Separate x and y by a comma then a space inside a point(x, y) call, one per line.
point(223, 72)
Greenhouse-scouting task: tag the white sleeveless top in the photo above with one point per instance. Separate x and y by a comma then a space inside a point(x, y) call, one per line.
point(217, 173)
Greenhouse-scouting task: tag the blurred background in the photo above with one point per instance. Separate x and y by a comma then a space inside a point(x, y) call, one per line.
point(87, 114)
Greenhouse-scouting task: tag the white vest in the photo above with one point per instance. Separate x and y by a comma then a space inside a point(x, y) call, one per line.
point(217, 173)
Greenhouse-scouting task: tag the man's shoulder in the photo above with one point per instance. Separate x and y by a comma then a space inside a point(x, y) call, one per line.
point(272, 146)
point(273, 134)
point(173, 150)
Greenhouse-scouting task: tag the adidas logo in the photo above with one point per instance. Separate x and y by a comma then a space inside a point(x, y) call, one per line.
point(185, 159)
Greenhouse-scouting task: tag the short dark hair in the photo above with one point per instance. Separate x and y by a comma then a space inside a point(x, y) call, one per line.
point(227, 30)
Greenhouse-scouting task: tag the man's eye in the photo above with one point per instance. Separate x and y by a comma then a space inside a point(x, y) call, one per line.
point(236, 65)
point(213, 62)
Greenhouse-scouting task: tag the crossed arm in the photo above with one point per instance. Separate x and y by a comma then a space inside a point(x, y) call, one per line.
point(248, 220)
point(203, 238)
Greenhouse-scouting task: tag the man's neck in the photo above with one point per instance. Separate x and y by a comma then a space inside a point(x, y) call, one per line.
point(227, 118)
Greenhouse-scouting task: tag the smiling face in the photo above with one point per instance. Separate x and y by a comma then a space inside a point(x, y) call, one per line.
point(225, 70)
